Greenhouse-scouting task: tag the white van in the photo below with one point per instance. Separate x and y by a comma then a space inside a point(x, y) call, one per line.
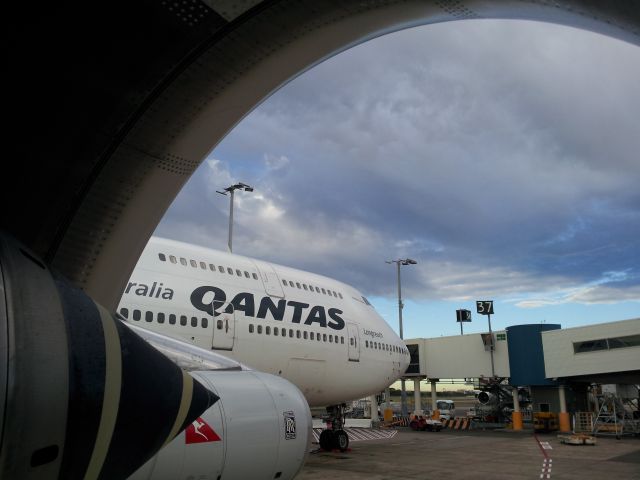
point(447, 409)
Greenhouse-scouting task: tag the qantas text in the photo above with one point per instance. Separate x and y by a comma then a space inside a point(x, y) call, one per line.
point(246, 303)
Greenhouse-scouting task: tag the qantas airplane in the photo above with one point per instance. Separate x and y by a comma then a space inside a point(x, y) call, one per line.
point(317, 332)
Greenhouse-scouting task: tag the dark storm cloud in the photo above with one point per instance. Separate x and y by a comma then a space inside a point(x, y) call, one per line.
point(503, 156)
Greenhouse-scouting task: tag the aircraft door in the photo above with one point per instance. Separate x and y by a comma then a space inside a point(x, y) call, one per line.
point(224, 326)
point(270, 280)
point(354, 342)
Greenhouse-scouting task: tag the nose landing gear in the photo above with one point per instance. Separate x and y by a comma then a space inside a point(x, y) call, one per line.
point(334, 437)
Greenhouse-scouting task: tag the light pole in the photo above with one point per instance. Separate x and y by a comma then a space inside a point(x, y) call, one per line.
point(402, 261)
point(231, 189)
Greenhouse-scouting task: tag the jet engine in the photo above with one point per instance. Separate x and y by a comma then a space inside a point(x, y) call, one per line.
point(260, 428)
point(487, 398)
point(81, 395)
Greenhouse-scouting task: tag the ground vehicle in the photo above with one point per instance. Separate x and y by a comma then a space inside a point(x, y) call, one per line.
point(422, 423)
point(446, 408)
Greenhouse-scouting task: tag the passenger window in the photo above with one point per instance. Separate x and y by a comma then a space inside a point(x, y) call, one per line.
point(194, 264)
point(194, 321)
point(275, 331)
point(342, 340)
point(339, 294)
point(366, 343)
point(284, 282)
point(330, 338)
point(259, 328)
point(246, 274)
point(298, 285)
point(317, 290)
point(251, 328)
point(173, 259)
point(290, 283)
point(324, 337)
point(304, 335)
point(297, 333)
point(290, 333)
point(183, 320)
point(238, 272)
point(351, 342)
point(212, 267)
point(172, 319)
point(137, 314)
point(219, 324)
point(255, 276)
point(319, 337)
point(183, 261)
point(203, 265)
point(324, 291)
point(304, 285)
point(160, 317)
point(267, 330)
point(205, 322)
point(311, 287)
point(230, 272)
point(162, 257)
point(311, 335)
point(124, 312)
point(220, 268)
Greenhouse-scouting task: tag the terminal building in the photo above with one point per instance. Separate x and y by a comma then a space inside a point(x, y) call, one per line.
point(541, 367)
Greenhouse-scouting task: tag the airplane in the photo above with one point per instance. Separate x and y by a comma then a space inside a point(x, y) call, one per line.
point(319, 333)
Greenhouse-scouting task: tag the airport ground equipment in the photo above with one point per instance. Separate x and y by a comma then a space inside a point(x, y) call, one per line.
point(615, 418)
point(577, 439)
point(545, 422)
point(421, 423)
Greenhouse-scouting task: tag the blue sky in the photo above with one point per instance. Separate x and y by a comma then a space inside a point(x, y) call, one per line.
point(503, 156)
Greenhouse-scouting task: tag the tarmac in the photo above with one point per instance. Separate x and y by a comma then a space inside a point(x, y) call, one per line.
point(477, 454)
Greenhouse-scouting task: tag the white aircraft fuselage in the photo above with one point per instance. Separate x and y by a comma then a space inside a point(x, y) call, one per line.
point(317, 332)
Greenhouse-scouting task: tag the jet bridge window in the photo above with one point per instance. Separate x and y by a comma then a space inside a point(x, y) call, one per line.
point(162, 257)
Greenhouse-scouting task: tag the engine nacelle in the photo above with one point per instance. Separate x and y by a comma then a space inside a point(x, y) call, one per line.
point(81, 395)
point(259, 429)
point(487, 398)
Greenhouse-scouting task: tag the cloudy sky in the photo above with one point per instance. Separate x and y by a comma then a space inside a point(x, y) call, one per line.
point(503, 156)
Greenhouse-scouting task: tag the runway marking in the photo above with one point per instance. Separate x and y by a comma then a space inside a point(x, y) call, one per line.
point(547, 462)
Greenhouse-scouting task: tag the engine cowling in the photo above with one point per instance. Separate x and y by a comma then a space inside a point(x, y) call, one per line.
point(259, 429)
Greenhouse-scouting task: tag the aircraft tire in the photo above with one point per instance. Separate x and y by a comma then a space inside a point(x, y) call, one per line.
point(341, 440)
point(327, 440)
